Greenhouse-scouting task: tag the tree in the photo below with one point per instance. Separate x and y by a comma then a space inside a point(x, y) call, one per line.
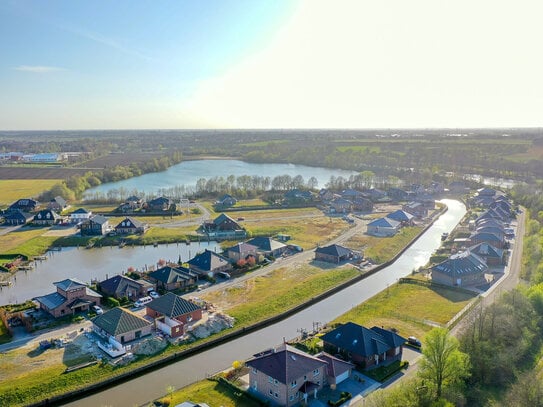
point(443, 363)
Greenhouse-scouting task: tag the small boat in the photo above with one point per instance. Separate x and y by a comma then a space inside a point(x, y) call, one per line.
point(122, 244)
point(444, 236)
point(155, 244)
point(5, 283)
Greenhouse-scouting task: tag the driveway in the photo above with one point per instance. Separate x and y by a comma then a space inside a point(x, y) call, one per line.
point(358, 385)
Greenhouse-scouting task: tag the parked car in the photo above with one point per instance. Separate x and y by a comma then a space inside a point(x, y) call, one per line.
point(154, 294)
point(97, 309)
point(413, 341)
point(142, 301)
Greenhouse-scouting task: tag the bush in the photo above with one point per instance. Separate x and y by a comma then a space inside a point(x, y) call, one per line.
point(112, 302)
point(343, 398)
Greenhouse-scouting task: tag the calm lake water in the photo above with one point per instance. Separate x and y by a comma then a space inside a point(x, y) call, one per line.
point(141, 389)
point(88, 264)
point(188, 172)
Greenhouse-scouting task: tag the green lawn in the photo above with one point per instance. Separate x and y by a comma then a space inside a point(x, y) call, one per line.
point(281, 290)
point(410, 308)
point(210, 392)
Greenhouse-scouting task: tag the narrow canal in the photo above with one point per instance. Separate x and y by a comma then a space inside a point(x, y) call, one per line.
point(150, 386)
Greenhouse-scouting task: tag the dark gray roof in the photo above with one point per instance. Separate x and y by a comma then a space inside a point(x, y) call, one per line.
point(486, 236)
point(51, 301)
point(286, 364)
point(99, 219)
point(334, 250)
point(69, 284)
point(130, 222)
point(484, 249)
point(59, 200)
point(462, 263)
point(46, 214)
point(335, 366)
point(223, 218)
point(242, 247)
point(266, 243)
point(119, 283)
point(384, 223)
point(400, 216)
point(81, 210)
point(208, 261)
point(362, 341)
point(168, 274)
point(119, 321)
point(172, 305)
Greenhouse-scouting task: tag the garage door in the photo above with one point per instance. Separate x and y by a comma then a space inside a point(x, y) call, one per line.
point(342, 377)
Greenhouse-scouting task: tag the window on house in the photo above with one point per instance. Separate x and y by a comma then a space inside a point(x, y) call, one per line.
point(275, 382)
point(316, 372)
point(271, 392)
point(293, 384)
point(270, 379)
point(291, 397)
point(254, 370)
point(276, 395)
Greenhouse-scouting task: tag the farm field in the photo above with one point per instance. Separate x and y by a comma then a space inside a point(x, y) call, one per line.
point(26, 188)
point(37, 173)
point(124, 159)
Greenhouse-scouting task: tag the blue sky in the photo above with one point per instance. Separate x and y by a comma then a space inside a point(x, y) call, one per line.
point(269, 64)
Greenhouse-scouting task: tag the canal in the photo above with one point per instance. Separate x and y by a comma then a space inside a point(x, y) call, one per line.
point(179, 374)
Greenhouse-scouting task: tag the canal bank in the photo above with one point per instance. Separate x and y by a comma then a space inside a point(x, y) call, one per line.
point(224, 357)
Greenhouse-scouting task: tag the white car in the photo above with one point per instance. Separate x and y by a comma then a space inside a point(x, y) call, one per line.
point(97, 310)
point(154, 294)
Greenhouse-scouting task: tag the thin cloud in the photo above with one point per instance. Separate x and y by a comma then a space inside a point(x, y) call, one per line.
point(38, 68)
point(109, 42)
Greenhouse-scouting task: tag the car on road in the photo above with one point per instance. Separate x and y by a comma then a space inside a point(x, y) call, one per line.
point(98, 310)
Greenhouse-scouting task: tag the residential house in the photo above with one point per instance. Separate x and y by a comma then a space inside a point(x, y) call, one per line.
point(122, 286)
point(130, 226)
point(404, 217)
point(341, 205)
point(226, 200)
point(160, 204)
point(172, 314)
point(486, 192)
point(286, 376)
point(492, 214)
point(337, 370)
point(241, 251)
point(122, 325)
point(326, 195)
point(46, 217)
point(80, 215)
point(98, 225)
point(58, 204)
point(209, 263)
point(298, 195)
point(426, 200)
point(489, 222)
point(398, 194)
point(500, 232)
point(461, 269)
point(361, 204)
point(333, 253)
point(383, 227)
point(24, 205)
point(490, 238)
point(135, 202)
point(417, 209)
point(16, 217)
point(377, 195)
point(268, 246)
point(223, 226)
point(365, 347)
point(490, 254)
point(171, 278)
point(71, 296)
point(351, 194)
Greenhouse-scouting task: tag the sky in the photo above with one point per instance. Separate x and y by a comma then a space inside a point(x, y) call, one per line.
point(182, 64)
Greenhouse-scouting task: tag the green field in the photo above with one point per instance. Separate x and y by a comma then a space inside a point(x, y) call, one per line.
point(13, 189)
point(410, 308)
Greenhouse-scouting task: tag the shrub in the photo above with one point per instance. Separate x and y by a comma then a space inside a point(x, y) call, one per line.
point(112, 302)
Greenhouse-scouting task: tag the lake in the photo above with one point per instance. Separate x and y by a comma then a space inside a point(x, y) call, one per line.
point(187, 174)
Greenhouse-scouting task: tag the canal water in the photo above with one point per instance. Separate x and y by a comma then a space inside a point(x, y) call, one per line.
point(144, 388)
point(96, 263)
